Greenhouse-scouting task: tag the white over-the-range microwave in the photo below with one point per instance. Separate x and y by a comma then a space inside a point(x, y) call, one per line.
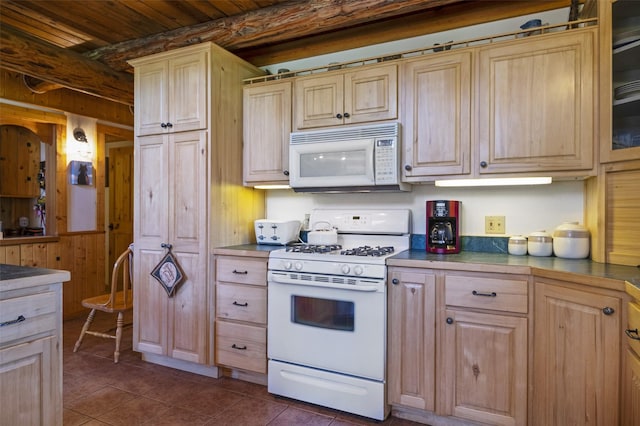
point(346, 159)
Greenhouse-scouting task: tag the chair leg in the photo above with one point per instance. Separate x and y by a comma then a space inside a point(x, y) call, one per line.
point(85, 327)
point(119, 324)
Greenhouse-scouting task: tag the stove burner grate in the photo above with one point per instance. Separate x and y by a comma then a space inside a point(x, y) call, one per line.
point(313, 248)
point(368, 251)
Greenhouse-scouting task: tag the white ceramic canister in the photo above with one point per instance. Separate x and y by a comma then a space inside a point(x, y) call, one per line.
point(571, 241)
point(540, 243)
point(517, 245)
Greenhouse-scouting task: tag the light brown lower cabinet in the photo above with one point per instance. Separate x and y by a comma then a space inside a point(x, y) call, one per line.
point(412, 338)
point(485, 367)
point(577, 355)
point(241, 313)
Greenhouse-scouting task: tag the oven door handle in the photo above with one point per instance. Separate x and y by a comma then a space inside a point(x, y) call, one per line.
point(363, 288)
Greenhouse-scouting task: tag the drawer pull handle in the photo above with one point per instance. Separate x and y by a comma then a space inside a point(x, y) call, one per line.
point(242, 348)
point(241, 304)
point(478, 293)
point(240, 272)
point(633, 334)
point(15, 321)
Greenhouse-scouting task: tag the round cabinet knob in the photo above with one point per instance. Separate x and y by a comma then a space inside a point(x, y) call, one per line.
point(347, 115)
point(395, 281)
point(285, 172)
point(345, 269)
point(449, 320)
point(169, 125)
point(358, 270)
point(608, 311)
point(163, 125)
point(483, 164)
point(298, 266)
point(339, 116)
point(408, 168)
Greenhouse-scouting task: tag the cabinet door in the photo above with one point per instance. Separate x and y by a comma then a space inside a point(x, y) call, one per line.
point(319, 101)
point(576, 358)
point(188, 92)
point(371, 94)
point(631, 379)
point(485, 367)
point(30, 383)
point(19, 162)
point(171, 95)
point(437, 116)
point(411, 339)
point(536, 105)
point(171, 208)
point(267, 125)
point(151, 97)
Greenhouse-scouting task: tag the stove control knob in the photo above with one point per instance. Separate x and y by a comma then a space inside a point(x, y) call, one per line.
point(287, 265)
point(298, 266)
point(358, 270)
point(345, 269)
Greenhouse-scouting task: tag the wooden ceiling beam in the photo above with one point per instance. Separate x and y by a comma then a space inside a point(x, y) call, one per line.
point(270, 25)
point(30, 56)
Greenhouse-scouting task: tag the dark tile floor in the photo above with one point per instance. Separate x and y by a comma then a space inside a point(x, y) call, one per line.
point(134, 392)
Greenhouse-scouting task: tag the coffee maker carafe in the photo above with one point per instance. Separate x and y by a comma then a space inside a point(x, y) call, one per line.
point(443, 226)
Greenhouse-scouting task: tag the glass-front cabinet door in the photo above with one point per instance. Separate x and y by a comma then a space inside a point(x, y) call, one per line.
point(620, 22)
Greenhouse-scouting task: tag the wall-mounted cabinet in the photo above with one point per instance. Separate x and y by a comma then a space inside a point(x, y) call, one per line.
point(19, 162)
point(267, 125)
point(536, 105)
point(436, 94)
point(620, 79)
point(532, 100)
point(171, 94)
point(360, 95)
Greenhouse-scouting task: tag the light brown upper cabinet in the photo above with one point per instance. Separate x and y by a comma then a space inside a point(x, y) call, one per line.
point(19, 162)
point(171, 94)
point(267, 125)
point(536, 105)
point(436, 92)
point(619, 80)
point(361, 95)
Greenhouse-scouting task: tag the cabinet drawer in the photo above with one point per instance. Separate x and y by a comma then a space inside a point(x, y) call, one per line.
point(241, 270)
point(499, 294)
point(27, 316)
point(633, 327)
point(241, 302)
point(241, 346)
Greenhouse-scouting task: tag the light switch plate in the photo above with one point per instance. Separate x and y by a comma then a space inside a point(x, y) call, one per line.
point(494, 224)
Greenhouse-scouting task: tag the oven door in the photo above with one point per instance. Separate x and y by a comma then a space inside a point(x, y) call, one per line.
point(335, 329)
point(332, 164)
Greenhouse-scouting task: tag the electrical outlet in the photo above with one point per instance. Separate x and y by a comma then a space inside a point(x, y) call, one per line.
point(494, 225)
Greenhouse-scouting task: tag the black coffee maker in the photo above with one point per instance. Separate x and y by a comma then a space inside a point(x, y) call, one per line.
point(443, 226)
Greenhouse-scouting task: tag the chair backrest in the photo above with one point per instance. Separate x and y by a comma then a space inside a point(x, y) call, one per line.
point(122, 267)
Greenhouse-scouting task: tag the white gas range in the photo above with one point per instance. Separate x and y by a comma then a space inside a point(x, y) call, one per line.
point(327, 312)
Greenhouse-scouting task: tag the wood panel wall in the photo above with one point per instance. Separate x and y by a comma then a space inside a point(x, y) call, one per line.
point(81, 253)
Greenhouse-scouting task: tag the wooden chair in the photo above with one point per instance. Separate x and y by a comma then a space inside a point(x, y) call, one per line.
point(117, 300)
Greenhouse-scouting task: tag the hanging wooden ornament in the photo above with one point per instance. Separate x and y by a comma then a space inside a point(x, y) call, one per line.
point(168, 272)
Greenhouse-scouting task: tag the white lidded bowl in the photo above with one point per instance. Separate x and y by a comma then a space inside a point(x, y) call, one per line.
point(571, 241)
point(540, 243)
point(517, 245)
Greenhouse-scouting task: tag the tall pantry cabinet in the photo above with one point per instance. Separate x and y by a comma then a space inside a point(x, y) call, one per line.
point(188, 195)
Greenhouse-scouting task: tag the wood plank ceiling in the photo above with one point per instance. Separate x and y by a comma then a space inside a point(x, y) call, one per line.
point(84, 45)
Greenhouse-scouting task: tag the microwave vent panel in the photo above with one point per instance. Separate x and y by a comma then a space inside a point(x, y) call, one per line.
point(390, 130)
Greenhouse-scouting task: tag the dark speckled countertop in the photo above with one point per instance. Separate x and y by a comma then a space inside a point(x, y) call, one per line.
point(581, 270)
point(13, 277)
point(578, 270)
